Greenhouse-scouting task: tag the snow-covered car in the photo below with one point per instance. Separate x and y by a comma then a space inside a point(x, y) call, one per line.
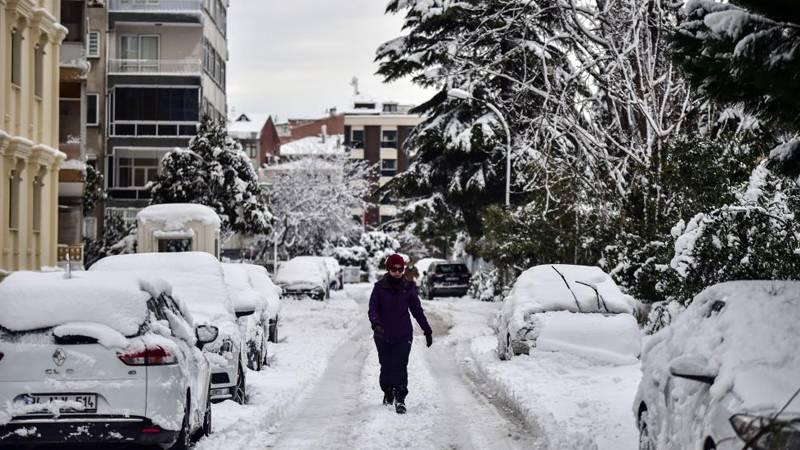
point(726, 373)
point(197, 280)
point(100, 358)
point(445, 279)
point(247, 291)
point(575, 309)
point(304, 276)
point(422, 267)
point(261, 282)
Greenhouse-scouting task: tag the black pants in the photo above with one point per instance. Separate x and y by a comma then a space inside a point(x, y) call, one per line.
point(393, 357)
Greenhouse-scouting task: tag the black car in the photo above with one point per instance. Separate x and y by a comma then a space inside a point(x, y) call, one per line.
point(445, 279)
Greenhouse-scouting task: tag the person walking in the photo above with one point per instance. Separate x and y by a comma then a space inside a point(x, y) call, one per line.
point(393, 296)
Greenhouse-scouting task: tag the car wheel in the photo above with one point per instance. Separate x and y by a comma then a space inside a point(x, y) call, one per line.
point(206, 430)
point(710, 445)
point(240, 392)
point(646, 441)
point(184, 441)
point(273, 332)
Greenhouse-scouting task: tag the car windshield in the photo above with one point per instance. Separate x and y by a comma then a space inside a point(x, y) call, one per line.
point(451, 268)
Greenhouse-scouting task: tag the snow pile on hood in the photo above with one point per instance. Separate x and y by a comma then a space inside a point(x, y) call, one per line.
point(176, 216)
point(30, 300)
point(196, 279)
point(302, 271)
point(749, 332)
point(614, 339)
point(261, 282)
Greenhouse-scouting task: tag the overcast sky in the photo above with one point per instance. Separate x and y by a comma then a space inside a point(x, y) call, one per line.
point(295, 58)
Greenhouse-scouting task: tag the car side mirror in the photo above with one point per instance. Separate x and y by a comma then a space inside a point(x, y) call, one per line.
point(205, 334)
point(693, 367)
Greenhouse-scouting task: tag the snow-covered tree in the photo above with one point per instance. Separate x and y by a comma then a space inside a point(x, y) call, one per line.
point(93, 191)
point(214, 171)
point(747, 52)
point(313, 200)
point(118, 238)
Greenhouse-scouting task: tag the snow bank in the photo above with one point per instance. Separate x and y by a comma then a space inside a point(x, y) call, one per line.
point(614, 339)
point(175, 216)
point(30, 300)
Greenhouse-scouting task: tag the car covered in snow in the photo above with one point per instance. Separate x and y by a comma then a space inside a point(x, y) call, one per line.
point(100, 358)
point(726, 373)
point(304, 276)
point(197, 280)
point(249, 289)
point(569, 308)
point(445, 279)
point(262, 283)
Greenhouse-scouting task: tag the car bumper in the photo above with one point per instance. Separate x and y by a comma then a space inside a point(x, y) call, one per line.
point(84, 429)
point(457, 291)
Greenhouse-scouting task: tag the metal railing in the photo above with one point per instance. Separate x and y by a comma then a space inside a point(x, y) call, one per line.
point(156, 6)
point(158, 66)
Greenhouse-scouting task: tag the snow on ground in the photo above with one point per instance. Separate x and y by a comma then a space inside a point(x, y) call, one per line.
point(310, 333)
point(573, 401)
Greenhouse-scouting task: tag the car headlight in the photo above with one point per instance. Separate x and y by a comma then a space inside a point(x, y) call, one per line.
point(763, 433)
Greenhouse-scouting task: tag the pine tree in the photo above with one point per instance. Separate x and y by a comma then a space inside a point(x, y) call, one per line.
point(747, 52)
point(214, 171)
point(93, 191)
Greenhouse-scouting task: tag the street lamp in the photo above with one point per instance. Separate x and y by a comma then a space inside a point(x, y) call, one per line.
point(464, 95)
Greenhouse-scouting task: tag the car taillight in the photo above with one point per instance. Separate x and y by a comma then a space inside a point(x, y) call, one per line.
point(150, 356)
point(1, 356)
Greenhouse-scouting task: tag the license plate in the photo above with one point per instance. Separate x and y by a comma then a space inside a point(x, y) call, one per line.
point(452, 279)
point(88, 402)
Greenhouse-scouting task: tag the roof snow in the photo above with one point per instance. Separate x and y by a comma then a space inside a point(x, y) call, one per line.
point(315, 145)
point(175, 216)
point(247, 126)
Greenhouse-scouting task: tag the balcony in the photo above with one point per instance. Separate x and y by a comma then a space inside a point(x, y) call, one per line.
point(155, 67)
point(156, 6)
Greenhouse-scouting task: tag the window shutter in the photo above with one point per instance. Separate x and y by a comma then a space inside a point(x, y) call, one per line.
point(93, 45)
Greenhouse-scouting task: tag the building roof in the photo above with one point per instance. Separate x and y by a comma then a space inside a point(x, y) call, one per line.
point(247, 126)
point(315, 146)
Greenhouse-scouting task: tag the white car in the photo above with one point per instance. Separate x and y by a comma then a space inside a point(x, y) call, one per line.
point(245, 294)
point(304, 276)
point(726, 373)
point(575, 309)
point(100, 358)
point(261, 282)
point(197, 280)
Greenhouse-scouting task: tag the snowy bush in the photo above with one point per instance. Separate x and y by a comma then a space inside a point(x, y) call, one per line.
point(117, 239)
point(487, 286)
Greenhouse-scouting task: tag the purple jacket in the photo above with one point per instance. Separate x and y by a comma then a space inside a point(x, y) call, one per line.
point(389, 306)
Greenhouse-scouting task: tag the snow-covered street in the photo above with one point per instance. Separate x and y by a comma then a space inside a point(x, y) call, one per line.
point(321, 389)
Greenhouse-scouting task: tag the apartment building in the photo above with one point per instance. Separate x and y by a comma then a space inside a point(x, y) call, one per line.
point(30, 47)
point(377, 132)
point(166, 68)
point(257, 135)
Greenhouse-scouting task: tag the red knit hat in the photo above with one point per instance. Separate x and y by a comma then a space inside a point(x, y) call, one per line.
point(395, 260)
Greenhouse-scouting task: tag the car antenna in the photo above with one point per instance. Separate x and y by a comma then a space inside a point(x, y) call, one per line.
point(570, 289)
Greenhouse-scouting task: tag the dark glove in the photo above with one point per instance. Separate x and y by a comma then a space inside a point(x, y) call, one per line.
point(428, 340)
point(377, 332)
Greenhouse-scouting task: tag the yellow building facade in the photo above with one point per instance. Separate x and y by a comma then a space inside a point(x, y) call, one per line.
point(30, 41)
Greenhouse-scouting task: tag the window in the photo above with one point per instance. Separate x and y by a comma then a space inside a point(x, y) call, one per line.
point(388, 167)
point(16, 55)
point(90, 227)
point(390, 107)
point(140, 53)
point(357, 138)
point(13, 191)
point(251, 149)
point(37, 204)
point(135, 167)
point(389, 138)
point(92, 110)
point(174, 245)
point(38, 70)
point(93, 44)
point(72, 19)
point(157, 104)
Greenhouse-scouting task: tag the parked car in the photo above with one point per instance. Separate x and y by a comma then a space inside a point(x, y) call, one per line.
point(304, 276)
point(262, 283)
point(422, 267)
point(445, 279)
point(726, 373)
point(100, 358)
point(197, 280)
point(576, 309)
point(254, 327)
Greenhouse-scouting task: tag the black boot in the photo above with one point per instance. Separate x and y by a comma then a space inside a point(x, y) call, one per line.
point(400, 407)
point(388, 397)
point(400, 400)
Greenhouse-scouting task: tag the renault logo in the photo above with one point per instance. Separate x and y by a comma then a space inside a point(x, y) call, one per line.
point(59, 357)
